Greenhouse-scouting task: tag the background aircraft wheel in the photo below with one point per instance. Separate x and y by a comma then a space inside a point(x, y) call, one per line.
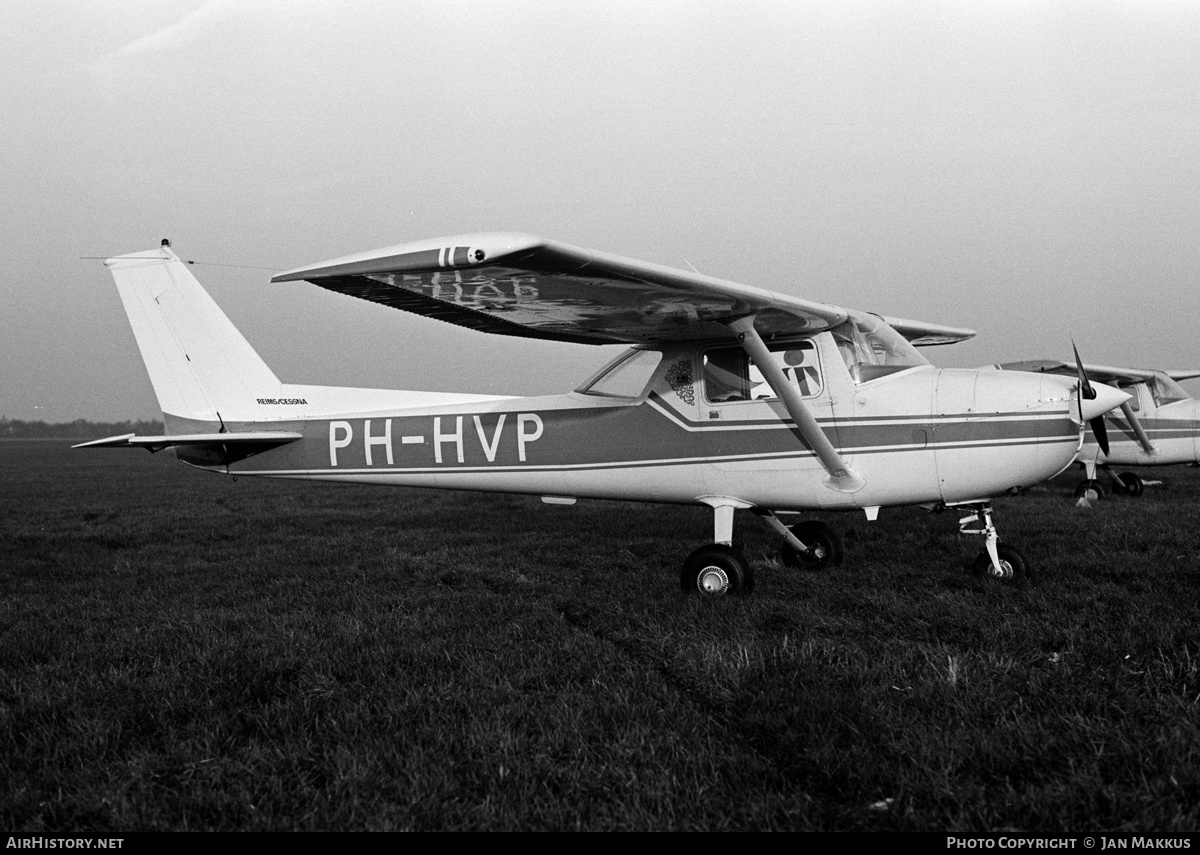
point(1090, 490)
point(1132, 483)
point(716, 570)
point(825, 543)
point(1013, 566)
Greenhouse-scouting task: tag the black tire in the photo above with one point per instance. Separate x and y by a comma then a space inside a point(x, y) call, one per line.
point(1133, 484)
point(1013, 564)
point(1090, 490)
point(716, 570)
point(825, 545)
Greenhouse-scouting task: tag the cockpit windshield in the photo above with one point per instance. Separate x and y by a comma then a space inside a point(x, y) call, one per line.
point(625, 377)
point(871, 349)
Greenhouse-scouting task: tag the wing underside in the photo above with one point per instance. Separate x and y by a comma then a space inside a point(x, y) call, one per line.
point(519, 285)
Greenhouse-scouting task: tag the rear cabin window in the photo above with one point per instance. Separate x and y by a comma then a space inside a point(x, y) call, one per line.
point(625, 377)
point(729, 375)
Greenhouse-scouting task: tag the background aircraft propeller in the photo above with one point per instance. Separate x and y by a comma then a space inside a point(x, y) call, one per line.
point(1087, 391)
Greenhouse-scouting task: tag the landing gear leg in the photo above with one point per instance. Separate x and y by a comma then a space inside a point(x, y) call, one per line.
point(719, 568)
point(996, 560)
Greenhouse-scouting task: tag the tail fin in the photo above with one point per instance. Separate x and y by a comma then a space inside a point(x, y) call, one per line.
point(201, 367)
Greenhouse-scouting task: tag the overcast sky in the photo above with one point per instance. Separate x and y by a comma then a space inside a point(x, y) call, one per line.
point(1028, 169)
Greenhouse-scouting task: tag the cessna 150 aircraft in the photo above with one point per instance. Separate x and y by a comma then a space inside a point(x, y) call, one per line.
point(1161, 424)
point(729, 396)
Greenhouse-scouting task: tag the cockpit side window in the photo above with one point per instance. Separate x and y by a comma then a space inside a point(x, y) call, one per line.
point(1166, 391)
point(730, 375)
point(871, 349)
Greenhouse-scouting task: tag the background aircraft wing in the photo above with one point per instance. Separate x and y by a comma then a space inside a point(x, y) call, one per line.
point(1101, 373)
point(521, 285)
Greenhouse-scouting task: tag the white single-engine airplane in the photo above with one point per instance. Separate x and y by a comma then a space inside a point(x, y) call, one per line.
point(730, 396)
point(1161, 424)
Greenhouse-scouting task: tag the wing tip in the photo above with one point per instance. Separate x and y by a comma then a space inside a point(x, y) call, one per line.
point(449, 253)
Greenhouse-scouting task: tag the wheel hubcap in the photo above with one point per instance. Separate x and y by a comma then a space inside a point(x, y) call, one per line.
point(712, 580)
point(1004, 571)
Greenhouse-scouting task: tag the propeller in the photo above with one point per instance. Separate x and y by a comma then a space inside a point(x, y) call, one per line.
point(1087, 391)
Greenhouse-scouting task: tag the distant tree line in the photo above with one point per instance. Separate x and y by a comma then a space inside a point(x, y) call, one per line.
point(78, 429)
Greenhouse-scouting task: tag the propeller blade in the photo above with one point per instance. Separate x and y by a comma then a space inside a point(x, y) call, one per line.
point(1085, 385)
point(1101, 433)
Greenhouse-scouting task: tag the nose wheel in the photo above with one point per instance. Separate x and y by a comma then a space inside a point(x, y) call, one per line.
point(996, 560)
point(1011, 565)
point(1090, 490)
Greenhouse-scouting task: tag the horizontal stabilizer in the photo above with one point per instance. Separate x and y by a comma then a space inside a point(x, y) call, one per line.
point(258, 440)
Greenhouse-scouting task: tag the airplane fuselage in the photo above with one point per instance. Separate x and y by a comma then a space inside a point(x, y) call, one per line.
point(921, 435)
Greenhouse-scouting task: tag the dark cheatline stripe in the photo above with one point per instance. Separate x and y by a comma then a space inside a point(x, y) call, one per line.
point(866, 432)
point(460, 256)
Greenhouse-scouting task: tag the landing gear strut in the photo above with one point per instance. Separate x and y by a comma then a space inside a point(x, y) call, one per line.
point(1091, 489)
point(996, 560)
point(718, 569)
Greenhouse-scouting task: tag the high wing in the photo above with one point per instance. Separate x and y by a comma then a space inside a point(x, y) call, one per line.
point(521, 285)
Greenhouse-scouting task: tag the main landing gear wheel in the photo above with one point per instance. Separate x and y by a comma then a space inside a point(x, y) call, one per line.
point(824, 545)
point(1090, 490)
point(716, 570)
point(1133, 484)
point(1013, 566)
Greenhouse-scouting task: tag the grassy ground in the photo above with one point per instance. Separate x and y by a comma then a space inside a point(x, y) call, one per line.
point(182, 651)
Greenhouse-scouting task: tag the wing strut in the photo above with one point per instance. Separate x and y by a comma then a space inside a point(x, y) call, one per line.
point(842, 477)
point(1136, 424)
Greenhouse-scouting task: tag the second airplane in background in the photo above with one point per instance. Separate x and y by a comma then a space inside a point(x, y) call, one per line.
point(1158, 426)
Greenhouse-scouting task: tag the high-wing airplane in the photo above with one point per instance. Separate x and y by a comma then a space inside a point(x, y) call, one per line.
point(1160, 424)
point(729, 396)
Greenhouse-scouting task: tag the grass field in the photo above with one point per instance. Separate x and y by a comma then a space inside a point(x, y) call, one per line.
point(179, 650)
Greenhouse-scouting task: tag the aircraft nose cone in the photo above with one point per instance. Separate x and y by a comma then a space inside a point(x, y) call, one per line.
point(1107, 398)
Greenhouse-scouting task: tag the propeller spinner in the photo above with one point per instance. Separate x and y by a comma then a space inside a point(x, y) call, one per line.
point(1088, 392)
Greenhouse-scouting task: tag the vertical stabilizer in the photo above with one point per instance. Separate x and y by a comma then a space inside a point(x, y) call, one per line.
point(199, 364)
